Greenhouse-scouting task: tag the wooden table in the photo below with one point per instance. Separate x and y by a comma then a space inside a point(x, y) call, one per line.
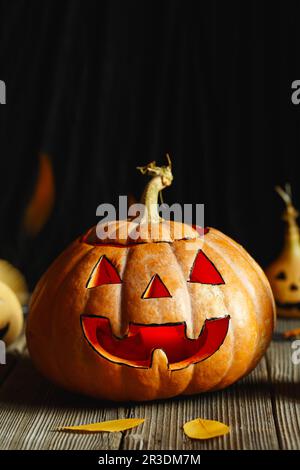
point(263, 410)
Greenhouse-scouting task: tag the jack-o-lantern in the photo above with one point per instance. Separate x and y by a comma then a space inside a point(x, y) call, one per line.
point(151, 316)
point(11, 315)
point(284, 272)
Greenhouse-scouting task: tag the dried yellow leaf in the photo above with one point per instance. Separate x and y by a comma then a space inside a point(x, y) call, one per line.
point(115, 425)
point(205, 429)
point(292, 333)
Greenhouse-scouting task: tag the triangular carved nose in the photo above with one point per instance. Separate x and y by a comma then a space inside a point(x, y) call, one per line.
point(156, 289)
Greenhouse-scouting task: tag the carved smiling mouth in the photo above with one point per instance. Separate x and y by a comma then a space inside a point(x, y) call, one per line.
point(4, 330)
point(136, 348)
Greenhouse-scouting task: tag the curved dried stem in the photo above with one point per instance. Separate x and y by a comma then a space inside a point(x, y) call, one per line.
point(290, 215)
point(285, 194)
point(161, 178)
point(152, 169)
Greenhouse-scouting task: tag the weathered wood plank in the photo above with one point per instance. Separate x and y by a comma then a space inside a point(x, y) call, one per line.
point(285, 378)
point(246, 407)
point(31, 410)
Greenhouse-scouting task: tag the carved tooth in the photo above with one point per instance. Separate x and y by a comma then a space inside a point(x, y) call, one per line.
point(193, 331)
point(159, 359)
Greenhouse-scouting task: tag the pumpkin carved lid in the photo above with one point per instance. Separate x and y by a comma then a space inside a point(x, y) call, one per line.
point(148, 227)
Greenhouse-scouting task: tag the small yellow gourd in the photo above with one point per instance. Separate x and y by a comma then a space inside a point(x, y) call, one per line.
point(11, 315)
point(284, 272)
point(14, 279)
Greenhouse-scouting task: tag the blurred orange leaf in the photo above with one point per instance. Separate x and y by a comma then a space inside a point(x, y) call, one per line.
point(292, 333)
point(41, 203)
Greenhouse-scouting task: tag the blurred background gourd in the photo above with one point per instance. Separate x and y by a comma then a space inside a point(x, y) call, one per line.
point(11, 315)
point(284, 272)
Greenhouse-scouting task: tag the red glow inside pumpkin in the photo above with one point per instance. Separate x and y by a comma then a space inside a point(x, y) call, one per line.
point(103, 273)
point(156, 289)
point(204, 271)
point(136, 348)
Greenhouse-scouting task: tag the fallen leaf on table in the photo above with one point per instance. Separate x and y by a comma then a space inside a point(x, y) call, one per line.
point(205, 429)
point(291, 333)
point(115, 425)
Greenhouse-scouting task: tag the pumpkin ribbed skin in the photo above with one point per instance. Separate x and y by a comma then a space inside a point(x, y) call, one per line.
point(60, 351)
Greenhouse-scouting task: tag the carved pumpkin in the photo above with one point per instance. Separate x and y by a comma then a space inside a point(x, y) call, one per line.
point(11, 315)
point(284, 272)
point(153, 317)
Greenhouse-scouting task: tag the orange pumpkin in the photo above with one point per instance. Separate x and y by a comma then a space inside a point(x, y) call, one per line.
point(154, 317)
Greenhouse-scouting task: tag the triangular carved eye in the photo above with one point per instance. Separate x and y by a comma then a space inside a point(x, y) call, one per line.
point(103, 273)
point(156, 289)
point(281, 276)
point(204, 271)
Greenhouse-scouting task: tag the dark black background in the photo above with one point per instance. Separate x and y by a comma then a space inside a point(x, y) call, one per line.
point(105, 86)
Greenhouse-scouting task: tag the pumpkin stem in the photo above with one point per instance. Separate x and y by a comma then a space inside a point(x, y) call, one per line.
point(161, 178)
point(290, 215)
